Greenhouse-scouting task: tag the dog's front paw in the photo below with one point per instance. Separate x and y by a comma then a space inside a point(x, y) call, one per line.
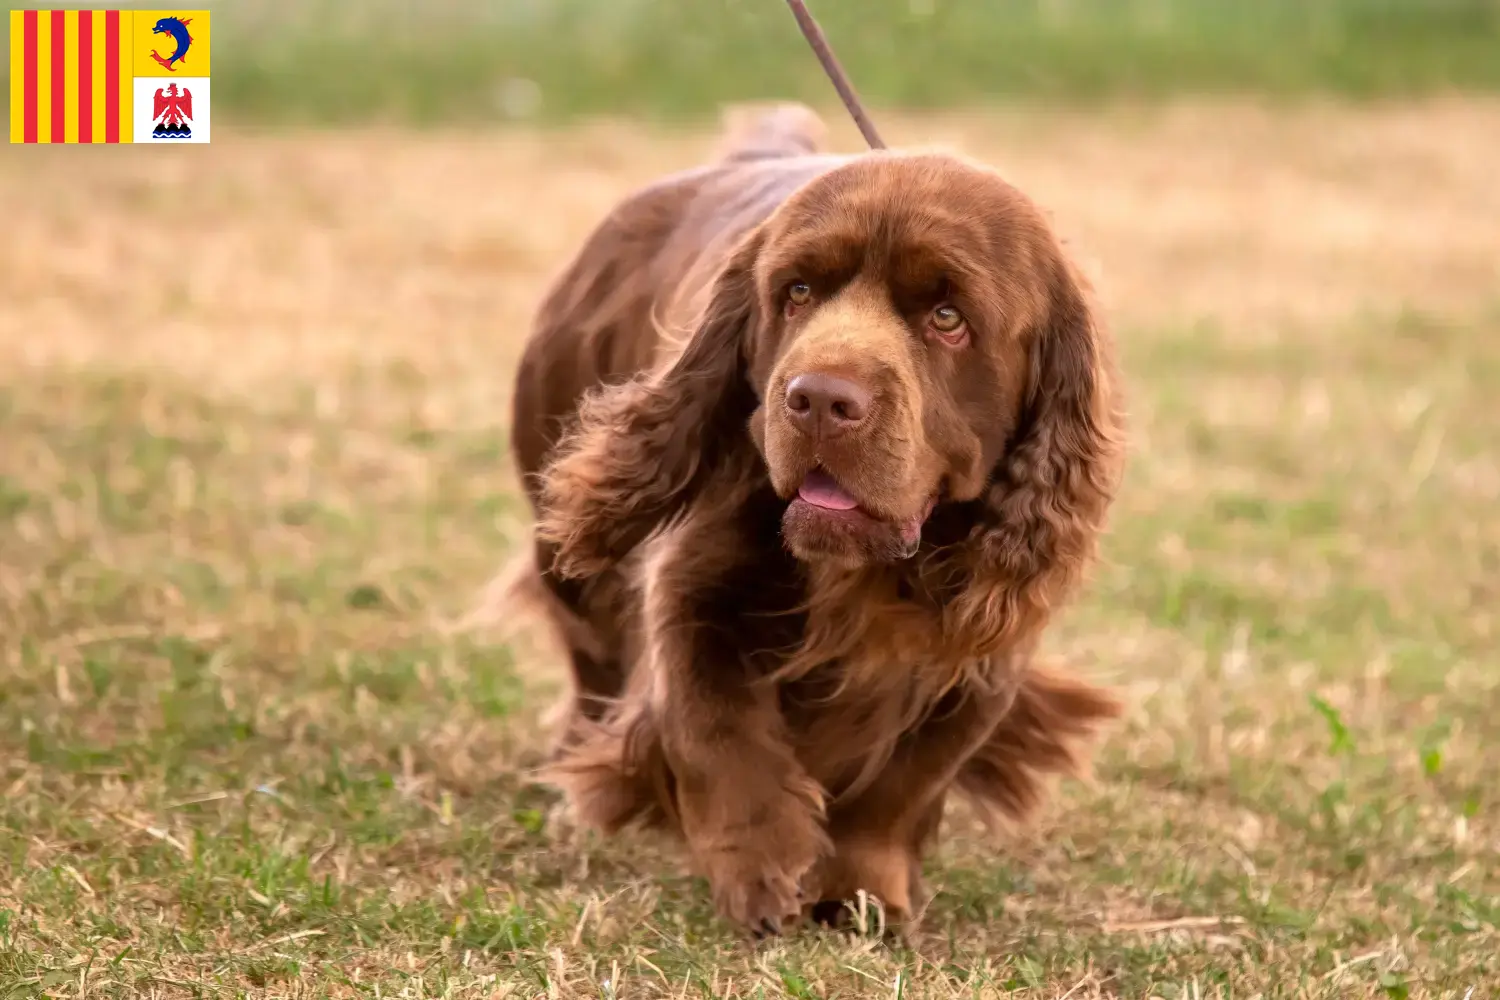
point(758, 876)
point(889, 873)
point(764, 902)
point(755, 889)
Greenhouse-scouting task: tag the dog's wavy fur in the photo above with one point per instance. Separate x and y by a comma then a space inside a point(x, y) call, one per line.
point(801, 721)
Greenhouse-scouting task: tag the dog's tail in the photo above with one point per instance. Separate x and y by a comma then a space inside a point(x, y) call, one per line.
point(770, 131)
point(1048, 733)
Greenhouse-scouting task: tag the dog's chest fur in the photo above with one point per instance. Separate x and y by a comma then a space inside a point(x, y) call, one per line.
point(866, 674)
point(854, 662)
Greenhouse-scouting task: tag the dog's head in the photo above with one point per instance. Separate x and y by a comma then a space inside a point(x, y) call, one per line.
point(903, 335)
point(899, 306)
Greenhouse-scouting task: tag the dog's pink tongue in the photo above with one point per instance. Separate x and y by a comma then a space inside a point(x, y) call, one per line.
point(820, 490)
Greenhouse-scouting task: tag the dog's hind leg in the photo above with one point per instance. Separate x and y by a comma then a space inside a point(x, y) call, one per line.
point(524, 590)
point(598, 674)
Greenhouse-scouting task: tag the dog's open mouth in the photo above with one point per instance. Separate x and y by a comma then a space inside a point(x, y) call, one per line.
point(821, 491)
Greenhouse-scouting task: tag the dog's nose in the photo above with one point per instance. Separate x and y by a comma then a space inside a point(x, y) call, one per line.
point(826, 405)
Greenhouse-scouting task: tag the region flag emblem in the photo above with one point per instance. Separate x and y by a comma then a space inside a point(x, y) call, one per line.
point(173, 113)
point(109, 76)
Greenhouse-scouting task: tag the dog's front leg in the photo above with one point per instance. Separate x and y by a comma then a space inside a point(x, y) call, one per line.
point(880, 833)
point(751, 815)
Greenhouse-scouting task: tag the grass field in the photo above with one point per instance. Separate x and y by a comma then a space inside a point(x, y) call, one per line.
point(253, 467)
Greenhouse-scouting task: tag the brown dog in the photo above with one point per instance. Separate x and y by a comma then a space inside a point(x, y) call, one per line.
point(816, 445)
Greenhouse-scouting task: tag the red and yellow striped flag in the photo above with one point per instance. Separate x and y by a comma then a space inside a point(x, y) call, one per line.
point(109, 76)
point(70, 76)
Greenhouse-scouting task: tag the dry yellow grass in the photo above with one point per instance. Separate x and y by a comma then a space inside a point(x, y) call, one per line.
point(433, 248)
point(252, 405)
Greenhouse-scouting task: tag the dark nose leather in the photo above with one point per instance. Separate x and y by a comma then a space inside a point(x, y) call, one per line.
point(824, 406)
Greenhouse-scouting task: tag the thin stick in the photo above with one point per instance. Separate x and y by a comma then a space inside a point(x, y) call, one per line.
point(814, 35)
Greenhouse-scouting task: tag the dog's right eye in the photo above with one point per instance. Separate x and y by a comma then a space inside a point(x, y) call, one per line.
point(798, 294)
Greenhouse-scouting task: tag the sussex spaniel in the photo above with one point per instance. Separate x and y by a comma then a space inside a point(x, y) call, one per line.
point(816, 445)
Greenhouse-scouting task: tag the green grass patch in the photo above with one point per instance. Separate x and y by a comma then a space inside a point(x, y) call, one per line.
point(241, 759)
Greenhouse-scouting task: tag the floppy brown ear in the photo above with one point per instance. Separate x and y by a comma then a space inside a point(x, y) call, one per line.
point(1049, 494)
point(639, 451)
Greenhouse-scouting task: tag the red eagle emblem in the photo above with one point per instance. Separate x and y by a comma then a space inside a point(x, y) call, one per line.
point(172, 111)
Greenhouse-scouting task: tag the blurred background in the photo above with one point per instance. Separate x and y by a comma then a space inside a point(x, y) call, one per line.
point(434, 60)
point(254, 466)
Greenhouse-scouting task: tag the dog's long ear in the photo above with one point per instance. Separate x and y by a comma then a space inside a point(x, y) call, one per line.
point(641, 451)
point(1048, 497)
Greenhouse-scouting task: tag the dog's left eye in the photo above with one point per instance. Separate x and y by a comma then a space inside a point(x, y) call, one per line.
point(797, 295)
point(948, 324)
